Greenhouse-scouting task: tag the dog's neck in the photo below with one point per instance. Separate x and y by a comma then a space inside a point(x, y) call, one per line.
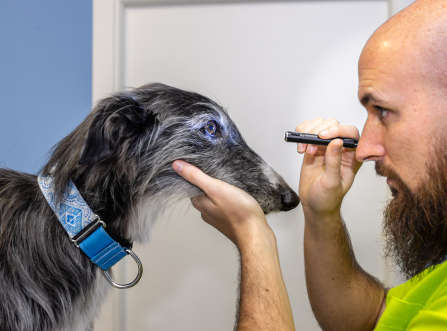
point(102, 208)
point(108, 192)
point(86, 229)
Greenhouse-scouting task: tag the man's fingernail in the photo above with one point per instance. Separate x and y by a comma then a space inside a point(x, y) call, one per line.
point(178, 165)
point(338, 145)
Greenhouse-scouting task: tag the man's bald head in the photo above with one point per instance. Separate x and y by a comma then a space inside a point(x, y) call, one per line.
point(415, 37)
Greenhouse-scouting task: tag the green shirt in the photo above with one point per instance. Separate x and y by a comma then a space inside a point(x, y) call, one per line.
point(418, 304)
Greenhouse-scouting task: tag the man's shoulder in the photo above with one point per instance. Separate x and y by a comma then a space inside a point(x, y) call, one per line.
point(424, 288)
point(417, 303)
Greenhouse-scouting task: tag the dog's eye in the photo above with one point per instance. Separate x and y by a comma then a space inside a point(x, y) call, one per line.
point(210, 128)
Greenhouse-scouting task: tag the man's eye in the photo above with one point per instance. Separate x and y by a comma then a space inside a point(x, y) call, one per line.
point(210, 128)
point(382, 112)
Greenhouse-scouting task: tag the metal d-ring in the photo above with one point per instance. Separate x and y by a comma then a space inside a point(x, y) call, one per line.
point(137, 278)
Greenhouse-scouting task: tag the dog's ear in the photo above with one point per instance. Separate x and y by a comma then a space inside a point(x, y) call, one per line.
point(118, 118)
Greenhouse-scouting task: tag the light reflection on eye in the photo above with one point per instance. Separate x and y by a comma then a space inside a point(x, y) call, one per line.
point(210, 128)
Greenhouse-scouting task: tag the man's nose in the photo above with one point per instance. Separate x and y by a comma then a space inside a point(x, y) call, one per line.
point(370, 146)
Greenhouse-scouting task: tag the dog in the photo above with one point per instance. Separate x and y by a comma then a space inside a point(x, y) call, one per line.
point(120, 159)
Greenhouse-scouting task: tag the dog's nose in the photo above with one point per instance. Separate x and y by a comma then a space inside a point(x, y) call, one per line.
point(289, 200)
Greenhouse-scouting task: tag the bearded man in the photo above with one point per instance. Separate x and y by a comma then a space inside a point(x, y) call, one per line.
point(403, 87)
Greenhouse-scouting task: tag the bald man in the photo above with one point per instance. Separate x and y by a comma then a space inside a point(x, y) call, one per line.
point(403, 87)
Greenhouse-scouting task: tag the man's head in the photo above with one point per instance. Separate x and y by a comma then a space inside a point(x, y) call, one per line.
point(403, 86)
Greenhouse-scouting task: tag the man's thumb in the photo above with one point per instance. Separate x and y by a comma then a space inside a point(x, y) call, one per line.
point(333, 162)
point(194, 175)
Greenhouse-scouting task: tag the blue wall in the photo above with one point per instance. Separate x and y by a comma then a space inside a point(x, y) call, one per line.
point(45, 76)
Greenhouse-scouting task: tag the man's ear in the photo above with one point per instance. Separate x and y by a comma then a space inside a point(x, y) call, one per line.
point(118, 118)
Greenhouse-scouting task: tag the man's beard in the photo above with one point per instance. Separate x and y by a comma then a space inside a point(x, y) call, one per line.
point(415, 225)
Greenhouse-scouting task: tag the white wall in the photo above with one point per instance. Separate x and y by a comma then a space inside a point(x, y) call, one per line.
point(271, 65)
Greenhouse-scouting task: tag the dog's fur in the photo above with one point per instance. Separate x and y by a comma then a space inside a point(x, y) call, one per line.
point(120, 159)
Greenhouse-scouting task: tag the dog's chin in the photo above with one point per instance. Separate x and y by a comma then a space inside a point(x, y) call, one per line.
point(280, 204)
point(270, 204)
point(270, 210)
point(268, 207)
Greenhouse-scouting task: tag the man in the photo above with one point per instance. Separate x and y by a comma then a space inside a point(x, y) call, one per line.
point(403, 86)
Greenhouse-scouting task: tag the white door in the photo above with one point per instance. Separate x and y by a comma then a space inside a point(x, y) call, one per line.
point(271, 64)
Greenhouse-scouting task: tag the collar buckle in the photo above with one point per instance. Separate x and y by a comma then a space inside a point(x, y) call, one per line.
point(88, 230)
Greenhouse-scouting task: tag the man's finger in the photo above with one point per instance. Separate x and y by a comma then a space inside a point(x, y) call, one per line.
point(195, 176)
point(202, 203)
point(348, 131)
point(333, 162)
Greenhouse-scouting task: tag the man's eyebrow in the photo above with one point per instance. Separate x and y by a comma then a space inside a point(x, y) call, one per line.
point(367, 98)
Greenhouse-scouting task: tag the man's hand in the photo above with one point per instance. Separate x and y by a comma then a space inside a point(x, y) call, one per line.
point(229, 209)
point(342, 295)
point(327, 173)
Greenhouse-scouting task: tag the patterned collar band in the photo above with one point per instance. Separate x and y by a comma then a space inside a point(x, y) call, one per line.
point(86, 230)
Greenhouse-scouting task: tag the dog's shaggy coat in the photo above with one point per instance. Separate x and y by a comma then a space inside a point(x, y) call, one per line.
point(120, 159)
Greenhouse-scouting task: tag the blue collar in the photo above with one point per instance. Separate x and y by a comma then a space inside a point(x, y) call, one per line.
point(86, 230)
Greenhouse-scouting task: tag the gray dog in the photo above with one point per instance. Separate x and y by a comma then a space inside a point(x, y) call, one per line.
point(119, 158)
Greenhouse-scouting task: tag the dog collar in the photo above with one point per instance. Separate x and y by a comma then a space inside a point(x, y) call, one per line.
point(86, 230)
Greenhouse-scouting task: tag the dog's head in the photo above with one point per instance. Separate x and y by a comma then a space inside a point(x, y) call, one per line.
point(137, 135)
